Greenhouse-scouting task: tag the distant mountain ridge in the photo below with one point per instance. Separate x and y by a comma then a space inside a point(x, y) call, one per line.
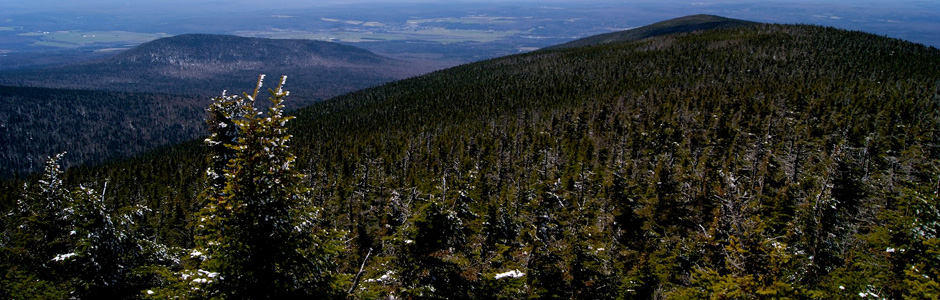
point(205, 64)
point(234, 51)
point(683, 24)
point(155, 94)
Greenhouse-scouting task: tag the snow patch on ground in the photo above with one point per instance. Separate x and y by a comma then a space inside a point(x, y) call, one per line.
point(510, 274)
point(62, 257)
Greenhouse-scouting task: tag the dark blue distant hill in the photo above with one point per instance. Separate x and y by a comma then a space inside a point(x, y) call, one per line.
point(204, 64)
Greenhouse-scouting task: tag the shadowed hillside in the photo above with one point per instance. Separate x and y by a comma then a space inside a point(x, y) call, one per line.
point(204, 65)
point(155, 94)
point(92, 126)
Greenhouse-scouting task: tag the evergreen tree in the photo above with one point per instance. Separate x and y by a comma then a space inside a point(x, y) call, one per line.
point(35, 232)
point(60, 242)
point(431, 264)
point(258, 234)
point(107, 254)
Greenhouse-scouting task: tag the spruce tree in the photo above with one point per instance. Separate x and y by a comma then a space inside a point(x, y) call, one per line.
point(36, 233)
point(258, 234)
point(69, 242)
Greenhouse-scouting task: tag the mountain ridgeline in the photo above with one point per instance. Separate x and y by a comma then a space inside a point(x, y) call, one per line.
point(678, 25)
point(155, 94)
point(205, 65)
point(225, 50)
point(752, 161)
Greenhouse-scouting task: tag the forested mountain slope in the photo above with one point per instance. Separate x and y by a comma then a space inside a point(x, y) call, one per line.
point(92, 126)
point(678, 25)
point(204, 65)
point(747, 162)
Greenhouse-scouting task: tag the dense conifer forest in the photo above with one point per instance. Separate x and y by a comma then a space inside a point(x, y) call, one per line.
point(761, 161)
point(677, 25)
point(92, 126)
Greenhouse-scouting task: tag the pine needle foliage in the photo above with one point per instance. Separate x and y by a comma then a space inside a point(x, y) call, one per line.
point(258, 234)
point(61, 242)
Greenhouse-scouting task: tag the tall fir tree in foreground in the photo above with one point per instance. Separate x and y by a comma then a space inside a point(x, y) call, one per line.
point(258, 235)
